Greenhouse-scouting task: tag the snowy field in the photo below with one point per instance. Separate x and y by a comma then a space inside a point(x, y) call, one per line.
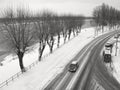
point(40, 75)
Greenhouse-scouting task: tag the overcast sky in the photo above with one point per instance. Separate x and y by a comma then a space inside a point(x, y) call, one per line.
point(84, 7)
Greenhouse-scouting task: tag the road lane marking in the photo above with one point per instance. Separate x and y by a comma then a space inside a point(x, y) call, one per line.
point(83, 63)
point(70, 85)
point(96, 85)
point(58, 86)
point(74, 79)
point(62, 81)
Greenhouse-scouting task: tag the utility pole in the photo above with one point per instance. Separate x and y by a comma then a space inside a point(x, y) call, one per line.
point(116, 44)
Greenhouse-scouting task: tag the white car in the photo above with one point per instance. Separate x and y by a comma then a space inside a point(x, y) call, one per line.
point(73, 66)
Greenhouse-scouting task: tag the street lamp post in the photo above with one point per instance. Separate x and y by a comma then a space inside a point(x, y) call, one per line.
point(116, 36)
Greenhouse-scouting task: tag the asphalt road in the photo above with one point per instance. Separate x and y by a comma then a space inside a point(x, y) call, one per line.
point(91, 74)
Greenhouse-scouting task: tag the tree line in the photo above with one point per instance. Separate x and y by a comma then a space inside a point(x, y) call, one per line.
point(106, 15)
point(22, 28)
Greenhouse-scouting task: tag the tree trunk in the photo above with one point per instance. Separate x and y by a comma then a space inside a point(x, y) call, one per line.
point(74, 33)
point(80, 29)
point(102, 29)
point(58, 43)
point(20, 56)
point(116, 47)
point(50, 44)
point(77, 31)
point(41, 49)
point(65, 38)
point(69, 34)
point(51, 47)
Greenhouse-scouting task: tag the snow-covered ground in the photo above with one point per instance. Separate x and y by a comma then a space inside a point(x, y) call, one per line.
point(114, 69)
point(116, 61)
point(37, 77)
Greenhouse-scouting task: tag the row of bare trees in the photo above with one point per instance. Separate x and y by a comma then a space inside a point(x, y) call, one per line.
point(21, 29)
point(106, 15)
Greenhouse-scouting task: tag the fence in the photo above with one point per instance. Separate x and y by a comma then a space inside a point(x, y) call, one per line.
point(19, 73)
point(10, 79)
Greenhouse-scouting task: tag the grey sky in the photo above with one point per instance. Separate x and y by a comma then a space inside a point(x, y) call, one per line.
point(84, 7)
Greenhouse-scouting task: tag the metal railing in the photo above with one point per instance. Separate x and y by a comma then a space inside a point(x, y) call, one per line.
point(15, 76)
point(10, 79)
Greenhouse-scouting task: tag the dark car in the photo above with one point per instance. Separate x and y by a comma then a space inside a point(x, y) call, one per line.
point(108, 45)
point(116, 36)
point(107, 58)
point(73, 66)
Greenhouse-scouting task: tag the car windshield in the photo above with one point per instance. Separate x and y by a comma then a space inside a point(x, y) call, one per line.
point(107, 56)
point(72, 66)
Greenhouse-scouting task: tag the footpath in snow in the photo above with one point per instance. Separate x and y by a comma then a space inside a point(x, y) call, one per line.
point(37, 77)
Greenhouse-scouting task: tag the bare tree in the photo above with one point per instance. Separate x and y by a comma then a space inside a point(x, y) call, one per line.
point(52, 32)
point(17, 33)
point(50, 21)
point(79, 23)
point(59, 28)
point(41, 31)
point(106, 15)
point(73, 24)
point(64, 30)
point(69, 25)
